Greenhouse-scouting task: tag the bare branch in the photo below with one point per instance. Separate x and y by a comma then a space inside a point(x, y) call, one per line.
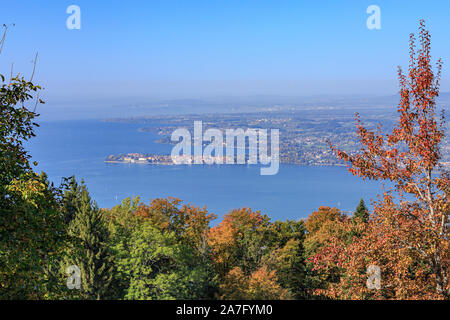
point(34, 66)
point(3, 39)
point(37, 101)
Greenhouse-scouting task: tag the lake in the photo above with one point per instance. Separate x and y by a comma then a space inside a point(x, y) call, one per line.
point(64, 148)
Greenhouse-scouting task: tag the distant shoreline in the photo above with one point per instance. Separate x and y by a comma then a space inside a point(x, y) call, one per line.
point(168, 162)
point(206, 164)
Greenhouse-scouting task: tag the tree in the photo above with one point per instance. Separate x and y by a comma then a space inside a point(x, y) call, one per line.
point(251, 255)
point(71, 199)
point(317, 219)
point(286, 255)
point(239, 241)
point(90, 250)
point(324, 226)
point(31, 226)
point(407, 239)
point(234, 285)
point(161, 267)
point(32, 240)
point(122, 221)
point(181, 229)
point(361, 212)
point(262, 284)
point(288, 262)
point(189, 223)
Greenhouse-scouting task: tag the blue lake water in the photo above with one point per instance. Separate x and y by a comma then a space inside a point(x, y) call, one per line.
point(79, 147)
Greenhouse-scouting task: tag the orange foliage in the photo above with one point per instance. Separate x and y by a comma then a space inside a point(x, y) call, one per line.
point(316, 219)
point(260, 285)
point(187, 222)
point(326, 225)
point(223, 238)
point(408, 240)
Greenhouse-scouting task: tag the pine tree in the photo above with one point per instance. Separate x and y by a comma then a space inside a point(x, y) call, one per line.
point(90, 251)
point(361, 211)
point(71, 198)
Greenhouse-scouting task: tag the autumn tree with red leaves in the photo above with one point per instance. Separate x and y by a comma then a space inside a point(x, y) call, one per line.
point(408, 239)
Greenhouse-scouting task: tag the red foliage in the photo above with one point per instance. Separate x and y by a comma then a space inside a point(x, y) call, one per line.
point(408, 240)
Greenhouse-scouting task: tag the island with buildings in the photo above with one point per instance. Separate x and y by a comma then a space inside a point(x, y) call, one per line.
point(140, 158)
point(158, 159)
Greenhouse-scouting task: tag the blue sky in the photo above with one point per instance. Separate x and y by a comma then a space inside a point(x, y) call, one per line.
point(193, 49)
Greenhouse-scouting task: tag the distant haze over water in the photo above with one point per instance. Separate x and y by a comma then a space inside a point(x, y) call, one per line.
point(83, 108)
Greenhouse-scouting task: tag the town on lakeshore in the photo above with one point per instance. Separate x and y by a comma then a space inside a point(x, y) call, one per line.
point(158, 159)
point(304, 133)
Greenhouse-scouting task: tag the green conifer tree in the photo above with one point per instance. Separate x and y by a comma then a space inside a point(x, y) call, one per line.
point(90, 251)
point(361, 212)
point(71, 198)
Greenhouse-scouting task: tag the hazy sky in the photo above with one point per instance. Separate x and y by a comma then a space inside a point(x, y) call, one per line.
point(190, 48)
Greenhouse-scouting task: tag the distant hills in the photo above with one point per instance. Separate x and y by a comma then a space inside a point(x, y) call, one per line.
point(223, 104)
